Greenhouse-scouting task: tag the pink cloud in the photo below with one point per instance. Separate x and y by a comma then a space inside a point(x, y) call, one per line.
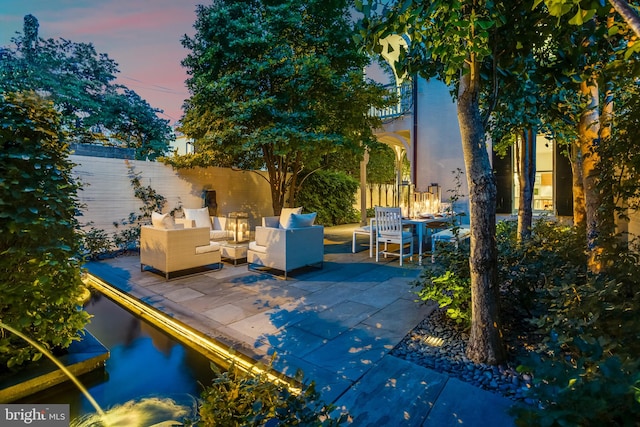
point(139, 22)
point(142, 36)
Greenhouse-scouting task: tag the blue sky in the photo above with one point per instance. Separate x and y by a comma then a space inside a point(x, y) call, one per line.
point(142, 36)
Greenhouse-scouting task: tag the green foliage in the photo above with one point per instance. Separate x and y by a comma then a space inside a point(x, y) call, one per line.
point(39, 265)
point(151, 200)
point(95, 242)
point(554, 253)
point(621, 173)
point(451, 292)
point(79, 81)
point(381, 165)
point(447, 281)
point(277, 86)
point(444, 34)
point(586, 369)
point(128, 234)
point(330, 194)
point(238, 398)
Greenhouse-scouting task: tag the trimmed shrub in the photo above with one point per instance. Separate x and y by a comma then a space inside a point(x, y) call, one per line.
point(39, 264)
point(332, 195)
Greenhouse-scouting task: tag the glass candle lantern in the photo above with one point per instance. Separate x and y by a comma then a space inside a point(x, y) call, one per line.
point(238, 226)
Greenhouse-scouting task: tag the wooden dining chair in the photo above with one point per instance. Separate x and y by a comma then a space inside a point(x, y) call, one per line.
point(389, 229)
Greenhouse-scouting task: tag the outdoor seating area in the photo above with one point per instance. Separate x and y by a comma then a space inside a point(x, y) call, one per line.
point(192, 244)
point(219, 199)
point(425, 230)
point(284, 243)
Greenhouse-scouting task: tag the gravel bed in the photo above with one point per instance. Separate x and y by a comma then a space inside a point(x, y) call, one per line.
point(438, 344)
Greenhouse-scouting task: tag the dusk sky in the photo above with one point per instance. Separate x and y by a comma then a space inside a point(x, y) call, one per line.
point(142, 36)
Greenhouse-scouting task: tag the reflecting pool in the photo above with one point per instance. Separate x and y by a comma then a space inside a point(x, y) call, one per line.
point(148, 379)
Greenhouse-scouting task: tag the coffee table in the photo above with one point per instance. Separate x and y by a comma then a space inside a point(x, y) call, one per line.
point(234, 251)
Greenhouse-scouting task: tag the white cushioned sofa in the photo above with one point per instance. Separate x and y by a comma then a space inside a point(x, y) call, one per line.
point(287, 242)
point(169, 247)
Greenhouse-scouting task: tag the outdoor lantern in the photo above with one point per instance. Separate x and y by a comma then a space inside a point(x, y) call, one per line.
point(238, 226)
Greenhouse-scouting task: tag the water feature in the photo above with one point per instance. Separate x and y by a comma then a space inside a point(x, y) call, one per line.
point(149, 378)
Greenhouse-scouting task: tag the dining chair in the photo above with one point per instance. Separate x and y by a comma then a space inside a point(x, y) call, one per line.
point(389, 229)
point(368, 230)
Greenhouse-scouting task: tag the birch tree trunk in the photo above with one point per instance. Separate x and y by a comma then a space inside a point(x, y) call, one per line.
point(607, 224)
point(485, 339)
point(629, 15)
point(526, 164)
point(589, 134)
point(579, 214)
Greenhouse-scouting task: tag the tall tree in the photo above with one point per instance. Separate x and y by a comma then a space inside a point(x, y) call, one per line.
point(451, 40)
point(276, 85)
point(588, 59)
point(80, 82)
point(517, 117)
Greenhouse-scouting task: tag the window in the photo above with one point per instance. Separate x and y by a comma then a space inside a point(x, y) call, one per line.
point(543, 188)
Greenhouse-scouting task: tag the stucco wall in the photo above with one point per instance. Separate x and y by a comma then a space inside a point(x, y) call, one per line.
point(108, 194)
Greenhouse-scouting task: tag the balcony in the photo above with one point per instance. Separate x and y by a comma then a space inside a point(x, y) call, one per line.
point(402, 107)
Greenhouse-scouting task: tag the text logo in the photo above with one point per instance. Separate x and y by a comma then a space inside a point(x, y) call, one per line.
point(55, 415)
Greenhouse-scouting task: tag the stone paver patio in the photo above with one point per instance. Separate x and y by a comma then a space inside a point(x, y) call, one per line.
point(337, 324)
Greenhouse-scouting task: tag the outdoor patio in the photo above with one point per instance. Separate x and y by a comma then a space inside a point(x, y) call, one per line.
point(337, 324)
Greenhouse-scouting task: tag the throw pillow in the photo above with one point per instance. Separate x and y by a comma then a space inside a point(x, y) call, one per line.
point(200, 216)
point(302, 220)
point(285, 215)
point(164, 221)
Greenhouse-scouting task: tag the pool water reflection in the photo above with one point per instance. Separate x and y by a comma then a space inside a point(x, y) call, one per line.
point(147, 368)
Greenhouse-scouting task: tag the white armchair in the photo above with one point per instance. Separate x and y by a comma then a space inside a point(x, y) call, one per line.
point(171, 250)
point(286, 249)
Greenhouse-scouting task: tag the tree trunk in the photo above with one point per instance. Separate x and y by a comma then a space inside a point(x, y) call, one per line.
point(277, 178)
point(293, 185)
point(526, 163)
point(485, 339)
point(589, 133)
point(606, 128)
point(629, 15)
point(579, 214)
point(363, 188)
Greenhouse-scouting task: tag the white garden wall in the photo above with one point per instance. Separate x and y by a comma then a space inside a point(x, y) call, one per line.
point(107, 194)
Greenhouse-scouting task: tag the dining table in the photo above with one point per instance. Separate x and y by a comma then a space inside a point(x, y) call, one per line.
point(425, 224)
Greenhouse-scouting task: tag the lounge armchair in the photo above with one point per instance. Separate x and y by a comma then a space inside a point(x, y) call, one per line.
point(298, 245)
point(170, 249)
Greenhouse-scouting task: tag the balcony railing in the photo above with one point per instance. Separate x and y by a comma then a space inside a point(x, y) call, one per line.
point(404, 93)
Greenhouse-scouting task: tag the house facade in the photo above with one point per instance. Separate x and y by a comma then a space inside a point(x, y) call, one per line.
point(424, 128)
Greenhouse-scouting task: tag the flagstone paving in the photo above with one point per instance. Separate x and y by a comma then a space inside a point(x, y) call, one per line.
point(337, 324)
